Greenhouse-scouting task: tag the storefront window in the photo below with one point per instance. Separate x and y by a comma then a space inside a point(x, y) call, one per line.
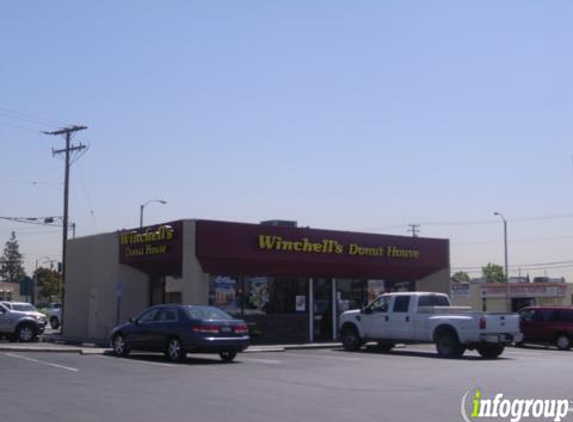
point(275, 295)
point(276, 308)
point(351, 294)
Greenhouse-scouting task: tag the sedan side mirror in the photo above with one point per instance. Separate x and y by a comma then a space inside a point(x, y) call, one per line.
point(133, 320)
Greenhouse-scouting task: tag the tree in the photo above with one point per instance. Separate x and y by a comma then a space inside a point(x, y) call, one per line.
point(11, 269)
point(460, 277)
point(49, 284)
point(493, 273)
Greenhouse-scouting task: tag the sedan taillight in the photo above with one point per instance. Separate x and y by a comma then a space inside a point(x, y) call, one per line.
point(206, 329)
point(241, 329)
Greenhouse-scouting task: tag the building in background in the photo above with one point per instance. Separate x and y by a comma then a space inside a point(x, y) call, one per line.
point(9, 292)
point(494, 296)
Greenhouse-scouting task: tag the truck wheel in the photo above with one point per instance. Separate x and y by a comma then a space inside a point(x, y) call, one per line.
point(563, 342)
point(350, 339)
point(448, 345)
point(490, 351)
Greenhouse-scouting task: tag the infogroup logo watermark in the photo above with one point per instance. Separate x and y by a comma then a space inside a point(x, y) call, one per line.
point(475, 407)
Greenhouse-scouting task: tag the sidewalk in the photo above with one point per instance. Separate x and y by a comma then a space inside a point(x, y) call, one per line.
point(54, 344)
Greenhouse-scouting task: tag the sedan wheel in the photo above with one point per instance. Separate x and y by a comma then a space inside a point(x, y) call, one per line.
point(26, 333)
point(228, 355)
point(563, 342)
point(174, 350)
point(119, 346)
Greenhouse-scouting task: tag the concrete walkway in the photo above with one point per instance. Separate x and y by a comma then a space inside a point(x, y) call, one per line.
point(58, 346)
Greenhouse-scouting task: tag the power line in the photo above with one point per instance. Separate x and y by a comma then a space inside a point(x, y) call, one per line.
point(29, 182)
point(19, 127)
point(30, 117)
point(476, 222)
point(535, 266)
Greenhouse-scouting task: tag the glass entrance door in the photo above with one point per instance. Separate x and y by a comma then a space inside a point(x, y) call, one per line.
point(322, 309)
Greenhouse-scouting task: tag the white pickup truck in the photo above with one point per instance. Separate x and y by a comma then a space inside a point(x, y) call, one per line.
point(417, 317)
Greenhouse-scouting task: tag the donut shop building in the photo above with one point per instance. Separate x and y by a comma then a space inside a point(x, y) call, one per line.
point(289, 283)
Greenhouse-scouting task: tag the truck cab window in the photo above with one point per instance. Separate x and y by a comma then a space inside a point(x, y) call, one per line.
point(380, 305)
point(401, 303)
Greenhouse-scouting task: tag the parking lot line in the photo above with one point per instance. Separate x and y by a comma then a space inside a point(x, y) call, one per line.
point(148, 362)
point(267, 361)
point(42, 362)
point(317, 356)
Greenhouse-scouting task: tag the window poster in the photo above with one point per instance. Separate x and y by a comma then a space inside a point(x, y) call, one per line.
point(300, 303)
point(225, 292)
point(375, 288)
point(258, 293)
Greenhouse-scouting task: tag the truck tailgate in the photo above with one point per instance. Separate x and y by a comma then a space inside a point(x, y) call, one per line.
point(500, 323)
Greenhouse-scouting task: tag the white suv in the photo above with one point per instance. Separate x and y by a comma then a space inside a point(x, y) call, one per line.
point(20, 321)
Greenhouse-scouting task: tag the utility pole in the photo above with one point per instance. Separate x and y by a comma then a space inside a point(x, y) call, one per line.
point(415, 229)
point(67, 132)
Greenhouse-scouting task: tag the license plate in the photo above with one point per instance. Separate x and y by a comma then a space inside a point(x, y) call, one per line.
point(226, 329)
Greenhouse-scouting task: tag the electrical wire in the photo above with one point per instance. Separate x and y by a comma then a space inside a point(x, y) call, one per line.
point(30, 117)
point(29, 182)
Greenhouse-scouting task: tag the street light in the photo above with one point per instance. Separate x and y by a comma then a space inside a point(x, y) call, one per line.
point(508, 303)
point(142, 206)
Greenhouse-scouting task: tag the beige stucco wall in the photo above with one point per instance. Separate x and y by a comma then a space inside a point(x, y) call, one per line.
point(195, 283)
point(436, 282)
point(91, 298)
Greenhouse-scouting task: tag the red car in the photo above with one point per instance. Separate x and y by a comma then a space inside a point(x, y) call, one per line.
point(547, 325)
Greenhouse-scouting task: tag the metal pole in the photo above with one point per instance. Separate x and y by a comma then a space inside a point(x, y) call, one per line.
point(509, 307)
point(310, 310)
point(142, 206)
point(334, 310)
point(507, 298)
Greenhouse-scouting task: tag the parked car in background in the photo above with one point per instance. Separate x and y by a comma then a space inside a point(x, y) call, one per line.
point(547, 325)
point(54, 314)
point(21, 321)
point(177, 330)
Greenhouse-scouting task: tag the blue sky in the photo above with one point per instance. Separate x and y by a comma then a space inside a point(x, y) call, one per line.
point(351, 115)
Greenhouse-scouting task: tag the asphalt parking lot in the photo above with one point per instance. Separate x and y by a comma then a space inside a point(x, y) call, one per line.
point(408, 384)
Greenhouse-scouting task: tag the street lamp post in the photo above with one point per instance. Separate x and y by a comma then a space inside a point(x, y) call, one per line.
point(142, 206)
point(508, 302)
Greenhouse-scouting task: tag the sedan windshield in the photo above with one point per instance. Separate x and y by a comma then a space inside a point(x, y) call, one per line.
point(207, 312)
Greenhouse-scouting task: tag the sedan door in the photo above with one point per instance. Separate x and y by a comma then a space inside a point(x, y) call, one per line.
point(162, 328)
point(140, 334)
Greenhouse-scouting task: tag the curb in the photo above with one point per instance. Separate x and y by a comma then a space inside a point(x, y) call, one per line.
point(59, 346)
point(41, 349)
